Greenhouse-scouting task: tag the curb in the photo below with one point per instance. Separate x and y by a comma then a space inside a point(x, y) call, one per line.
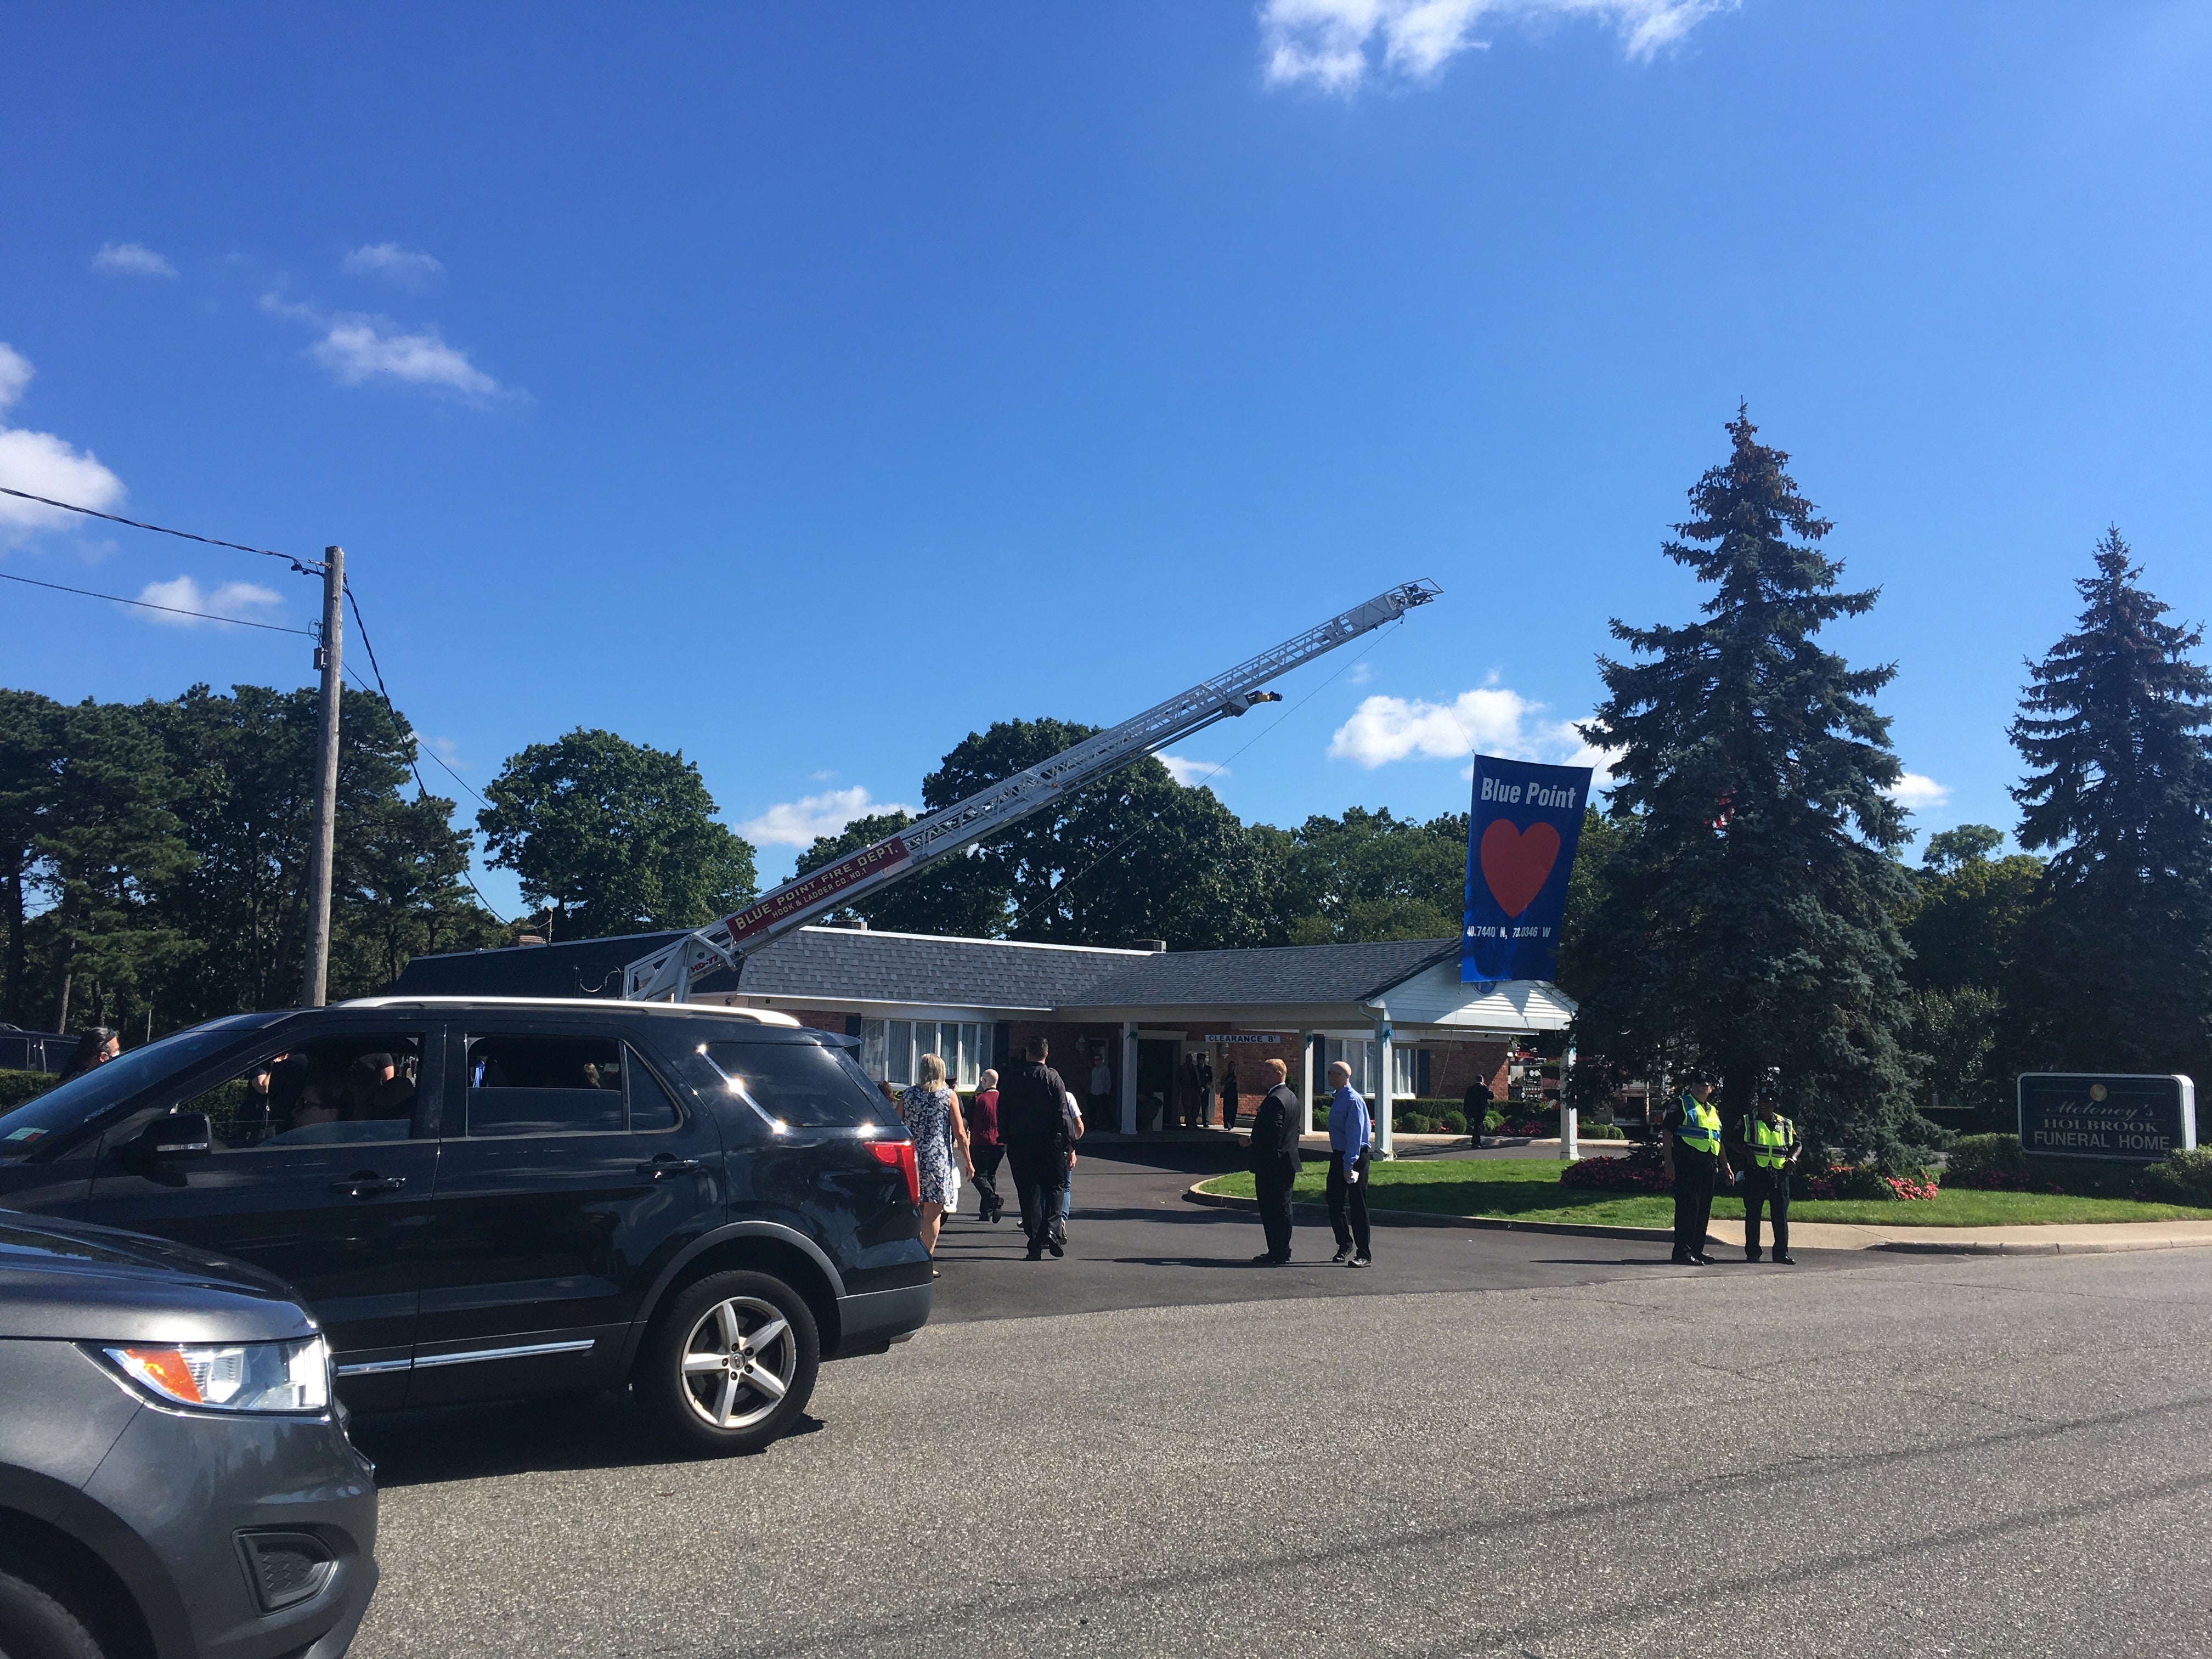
point(1665, 1235)
point(1427, 1218)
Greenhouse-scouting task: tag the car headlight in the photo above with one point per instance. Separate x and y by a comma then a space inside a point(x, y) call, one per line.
point(233, 1376)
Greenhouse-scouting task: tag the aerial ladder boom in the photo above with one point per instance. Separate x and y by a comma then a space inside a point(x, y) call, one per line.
point(666, 974)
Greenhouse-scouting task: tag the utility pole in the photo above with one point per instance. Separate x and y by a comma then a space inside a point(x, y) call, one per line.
point(315, 981)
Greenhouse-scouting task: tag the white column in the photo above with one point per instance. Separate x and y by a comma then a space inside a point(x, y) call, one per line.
point(1570, 1147)
point(1128, 1077)
point(1386, 1141)
point(1305, 1079)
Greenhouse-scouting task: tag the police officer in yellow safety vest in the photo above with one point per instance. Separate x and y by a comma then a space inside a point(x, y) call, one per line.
point(1770, 1146)
point(1691, 1145)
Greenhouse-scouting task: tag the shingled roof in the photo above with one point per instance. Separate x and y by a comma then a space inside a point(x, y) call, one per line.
point(1292, 974)
point(837, 964)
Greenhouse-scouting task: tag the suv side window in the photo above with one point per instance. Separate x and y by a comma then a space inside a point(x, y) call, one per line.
point(359, 1086)
point(525, 1084)
point(651, 1106)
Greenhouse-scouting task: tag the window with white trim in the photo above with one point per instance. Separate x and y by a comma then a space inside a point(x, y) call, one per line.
point(892, 1049)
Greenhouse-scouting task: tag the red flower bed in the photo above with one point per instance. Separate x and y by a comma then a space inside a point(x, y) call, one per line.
point(1615, 1174)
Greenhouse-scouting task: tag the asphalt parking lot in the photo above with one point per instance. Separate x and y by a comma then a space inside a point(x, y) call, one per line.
point(1491, 1443)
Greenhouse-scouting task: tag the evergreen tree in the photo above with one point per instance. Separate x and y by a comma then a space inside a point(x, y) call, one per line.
point(30, 769)
point(1748, 923)
point(2114, 968)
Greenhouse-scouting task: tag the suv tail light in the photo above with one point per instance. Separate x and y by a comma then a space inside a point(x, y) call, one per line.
point(899, 1155)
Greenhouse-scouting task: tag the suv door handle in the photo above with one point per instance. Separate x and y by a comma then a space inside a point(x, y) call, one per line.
point(367, 1184)
point(665, 1164)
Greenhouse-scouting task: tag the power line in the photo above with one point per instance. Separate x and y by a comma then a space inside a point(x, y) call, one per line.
point(414, 760)
point(148, 605)
point(310, 566)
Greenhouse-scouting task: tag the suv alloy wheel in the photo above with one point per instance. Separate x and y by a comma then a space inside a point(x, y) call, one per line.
point(731, 1365)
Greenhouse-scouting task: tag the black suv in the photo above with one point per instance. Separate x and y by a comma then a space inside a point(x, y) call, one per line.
point(485, 1197)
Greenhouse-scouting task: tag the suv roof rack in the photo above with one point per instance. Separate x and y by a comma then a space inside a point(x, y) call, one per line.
point(757, 1016)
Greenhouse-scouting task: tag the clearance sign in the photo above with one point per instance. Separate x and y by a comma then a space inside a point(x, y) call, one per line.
point(1520, 850)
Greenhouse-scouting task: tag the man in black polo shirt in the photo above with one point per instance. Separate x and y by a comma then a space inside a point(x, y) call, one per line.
point(1033, 1125)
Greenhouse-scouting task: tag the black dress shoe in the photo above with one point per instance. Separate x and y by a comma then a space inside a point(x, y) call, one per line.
point(1265, 1258)
point(1751, 1255)
point(1785, 1261)
point(1702, 1260)
point(1682, 1260)
point(1034, 1255)
point(1361, 1261)
point(1057, 1248)
point(1342, 1256)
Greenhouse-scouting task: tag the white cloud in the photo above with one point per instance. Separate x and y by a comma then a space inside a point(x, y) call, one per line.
point(1192, 773)
point(1332, 44)
point(208, 609)
point(131, 259)
point(1361, 673)
point(359, 348)
point(404, 266)
point(44, 464)
point(803, 822)
point(1492, 720)
point(1912, 790)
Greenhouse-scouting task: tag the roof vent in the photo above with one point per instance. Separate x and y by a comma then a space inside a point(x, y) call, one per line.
point(1154, 944)
point(528, 939)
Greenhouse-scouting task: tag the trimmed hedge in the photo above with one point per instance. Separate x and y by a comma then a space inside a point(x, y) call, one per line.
point(16, 1087)
point(2180, 1178)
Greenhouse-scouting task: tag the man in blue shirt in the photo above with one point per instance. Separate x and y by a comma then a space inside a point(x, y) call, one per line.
point(1350, 1131)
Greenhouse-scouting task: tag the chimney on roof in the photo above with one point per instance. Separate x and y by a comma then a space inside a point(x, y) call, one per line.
point(528, 939)
point(1155, 945)
point(856, 924)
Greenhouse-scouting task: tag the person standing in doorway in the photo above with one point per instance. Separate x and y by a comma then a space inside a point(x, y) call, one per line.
point(1230, 1100)
point(1770, 1146)
point(984, 1149)
point(1350, 1131)
point(1694, 1158)
point(1102, 1089)
point(1032, 1128)
point(1275, 1161)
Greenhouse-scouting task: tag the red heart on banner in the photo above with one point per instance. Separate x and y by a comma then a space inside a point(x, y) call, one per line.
point(1516, 863)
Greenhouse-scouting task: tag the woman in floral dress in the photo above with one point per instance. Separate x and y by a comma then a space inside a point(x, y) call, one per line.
point(931, 1112)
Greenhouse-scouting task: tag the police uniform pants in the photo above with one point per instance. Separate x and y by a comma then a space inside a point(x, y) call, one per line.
point(1347, 1203)
point(1693, 1198)
point(1272, 1179)
point(1770, 1189)
point(1039, 1172)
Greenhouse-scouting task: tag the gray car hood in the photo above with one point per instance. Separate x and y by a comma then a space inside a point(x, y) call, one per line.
point(73, 1281)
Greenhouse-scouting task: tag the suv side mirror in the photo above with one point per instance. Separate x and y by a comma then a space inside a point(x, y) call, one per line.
point(178, 1135)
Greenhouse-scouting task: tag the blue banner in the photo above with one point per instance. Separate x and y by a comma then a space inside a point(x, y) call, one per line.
point(1520, 850)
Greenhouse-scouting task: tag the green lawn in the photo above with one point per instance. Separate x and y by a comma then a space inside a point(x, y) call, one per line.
point(1528, 1190)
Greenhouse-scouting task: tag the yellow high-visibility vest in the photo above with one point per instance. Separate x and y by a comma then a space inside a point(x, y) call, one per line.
point(1700, 1128)
point(1770, 1144)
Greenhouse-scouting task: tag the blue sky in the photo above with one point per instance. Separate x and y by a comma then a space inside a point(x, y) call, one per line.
point(806, 386)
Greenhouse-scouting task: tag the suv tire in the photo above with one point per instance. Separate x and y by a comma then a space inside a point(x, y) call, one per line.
point(730, 1363)
point(37, 1623)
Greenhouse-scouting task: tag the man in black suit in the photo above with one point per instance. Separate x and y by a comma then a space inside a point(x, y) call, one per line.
point(1275, 1160)
point(1033, 1125)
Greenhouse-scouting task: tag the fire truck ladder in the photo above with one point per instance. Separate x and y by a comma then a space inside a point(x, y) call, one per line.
point(666, 974)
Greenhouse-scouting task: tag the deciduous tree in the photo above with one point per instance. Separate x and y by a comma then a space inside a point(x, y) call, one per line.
point(611, 837)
